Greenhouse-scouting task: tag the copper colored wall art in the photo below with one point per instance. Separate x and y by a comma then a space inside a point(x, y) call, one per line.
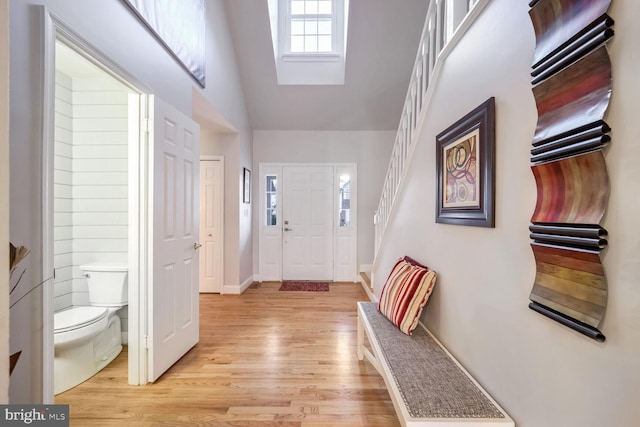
point(571, 74)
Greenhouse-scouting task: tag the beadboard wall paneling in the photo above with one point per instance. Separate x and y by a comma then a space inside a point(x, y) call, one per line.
point(96, 139)
point(87, 218)
point(100, 195)
point(62, 203)
point(90, 179)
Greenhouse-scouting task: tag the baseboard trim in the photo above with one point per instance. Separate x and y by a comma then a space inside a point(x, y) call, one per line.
point(370, 294)
point(245, 285)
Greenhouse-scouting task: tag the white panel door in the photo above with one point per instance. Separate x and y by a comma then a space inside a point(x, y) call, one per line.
point(211, 214)
point(307, 223)
point(173, 324)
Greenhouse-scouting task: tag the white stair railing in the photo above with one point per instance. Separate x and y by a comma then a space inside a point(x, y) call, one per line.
point(446, 22)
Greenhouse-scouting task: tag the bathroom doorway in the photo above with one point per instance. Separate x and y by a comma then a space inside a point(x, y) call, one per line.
point(91, 196)
point(160, 158)
point(95, 131)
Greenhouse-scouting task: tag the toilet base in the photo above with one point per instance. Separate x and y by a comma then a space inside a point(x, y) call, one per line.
point(74, 365)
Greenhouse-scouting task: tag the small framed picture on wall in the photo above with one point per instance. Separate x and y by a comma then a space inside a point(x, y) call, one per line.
point(246, 189)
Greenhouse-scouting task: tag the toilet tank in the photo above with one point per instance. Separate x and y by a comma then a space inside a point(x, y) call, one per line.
point(108, 284)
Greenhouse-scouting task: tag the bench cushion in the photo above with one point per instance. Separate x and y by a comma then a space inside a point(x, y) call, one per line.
point(431, 384)
point(405, 293)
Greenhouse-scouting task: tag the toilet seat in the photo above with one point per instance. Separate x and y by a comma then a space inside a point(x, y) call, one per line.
point(77, 317)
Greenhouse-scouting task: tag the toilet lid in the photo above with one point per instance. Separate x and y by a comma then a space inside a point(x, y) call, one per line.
point(77, 317)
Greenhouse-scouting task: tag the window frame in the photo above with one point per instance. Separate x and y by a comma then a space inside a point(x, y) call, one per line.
point(317, 16)
point(267, 207)
point(337, 34)
point(340, 201)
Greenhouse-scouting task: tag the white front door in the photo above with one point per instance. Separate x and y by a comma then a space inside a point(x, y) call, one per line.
point(173, 325)
point(307, 223)
point(211, 214)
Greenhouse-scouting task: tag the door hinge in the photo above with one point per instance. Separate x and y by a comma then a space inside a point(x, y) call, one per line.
point(148, 124)
point(147, 341)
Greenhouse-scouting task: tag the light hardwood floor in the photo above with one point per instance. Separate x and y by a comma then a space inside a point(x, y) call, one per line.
point(265, 358)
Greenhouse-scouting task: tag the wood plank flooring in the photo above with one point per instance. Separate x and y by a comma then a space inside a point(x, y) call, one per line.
point(265, 358)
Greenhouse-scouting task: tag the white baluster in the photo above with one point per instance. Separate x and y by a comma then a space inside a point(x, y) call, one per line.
point(440, 26)
point(426, 71)
point(418, 78)
point(414, 110)
point(407, 129)
point(433, 53)
point(444, 18)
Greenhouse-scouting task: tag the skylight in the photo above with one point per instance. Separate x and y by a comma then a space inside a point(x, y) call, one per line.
point(309, 40)
point(311, 23)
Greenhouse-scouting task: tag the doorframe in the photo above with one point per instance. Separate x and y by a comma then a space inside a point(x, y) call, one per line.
point(266, 168)
point(4, 194)
point(56, 29)
point(211, 157)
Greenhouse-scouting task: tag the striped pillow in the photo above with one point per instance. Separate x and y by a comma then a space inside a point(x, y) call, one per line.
point(405, 293)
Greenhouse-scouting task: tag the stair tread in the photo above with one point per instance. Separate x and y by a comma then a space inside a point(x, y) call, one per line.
point(366, 278)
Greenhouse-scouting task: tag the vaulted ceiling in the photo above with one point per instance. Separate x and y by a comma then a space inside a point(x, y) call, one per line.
point(382, 43)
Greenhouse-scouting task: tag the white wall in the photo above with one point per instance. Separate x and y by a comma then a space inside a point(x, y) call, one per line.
point(4, 199)
point(370, 150)
point(223, 86)
point(541, 372)
point(114, 30)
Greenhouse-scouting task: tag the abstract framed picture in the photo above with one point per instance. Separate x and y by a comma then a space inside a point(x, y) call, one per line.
point(465, 174)
point(246, 188)
point(180, 27)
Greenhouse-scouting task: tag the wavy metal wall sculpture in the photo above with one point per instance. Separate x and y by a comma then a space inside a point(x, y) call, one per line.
point(571, 74)
point(573, 190)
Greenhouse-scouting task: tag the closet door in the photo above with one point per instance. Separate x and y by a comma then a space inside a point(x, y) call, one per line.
point(211, 230)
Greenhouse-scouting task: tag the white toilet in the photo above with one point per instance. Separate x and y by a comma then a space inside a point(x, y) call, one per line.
point(86, 339)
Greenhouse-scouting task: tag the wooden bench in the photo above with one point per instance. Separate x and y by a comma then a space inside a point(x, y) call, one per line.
point(427, 385)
